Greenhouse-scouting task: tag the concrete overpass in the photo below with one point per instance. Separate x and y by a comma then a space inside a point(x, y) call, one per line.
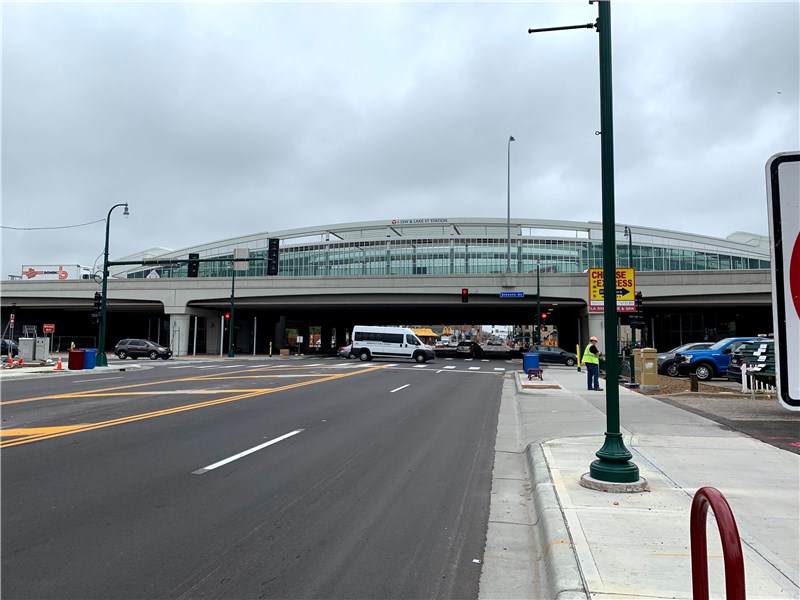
point(678, 304)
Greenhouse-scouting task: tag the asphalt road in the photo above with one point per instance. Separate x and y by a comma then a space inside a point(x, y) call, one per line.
point(363, 480)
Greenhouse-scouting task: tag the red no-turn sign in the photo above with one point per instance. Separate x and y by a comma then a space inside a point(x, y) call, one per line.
point(49, 328)
point(783, 198)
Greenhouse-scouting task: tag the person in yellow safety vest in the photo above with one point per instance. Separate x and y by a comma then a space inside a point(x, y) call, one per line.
point(591, 358)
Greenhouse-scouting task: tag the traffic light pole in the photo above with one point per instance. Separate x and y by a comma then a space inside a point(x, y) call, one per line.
point(538, 336)
point(102, 359)
point(233, 306)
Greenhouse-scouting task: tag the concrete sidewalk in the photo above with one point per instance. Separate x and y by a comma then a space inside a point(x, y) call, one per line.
point(583, 543)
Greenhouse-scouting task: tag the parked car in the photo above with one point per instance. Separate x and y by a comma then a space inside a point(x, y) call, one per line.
point(554, 354)
point(9, 346)
point(666, 360)
point(346, 351)
point(760, 353)
point(136, 348)
point(469, 348)
point(713, 361)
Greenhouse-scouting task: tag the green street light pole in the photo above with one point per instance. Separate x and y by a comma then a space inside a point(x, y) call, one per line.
point(629, 235)
point(613, 464)
point(538, 336)
point(508, 219)
point(102, 360)
point(233, 306)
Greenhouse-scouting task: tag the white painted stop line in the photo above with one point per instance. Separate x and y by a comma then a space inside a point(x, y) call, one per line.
point(246, 452)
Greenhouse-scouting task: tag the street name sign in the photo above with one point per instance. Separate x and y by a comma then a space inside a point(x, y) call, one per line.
point(512, 294)
point(783, 199)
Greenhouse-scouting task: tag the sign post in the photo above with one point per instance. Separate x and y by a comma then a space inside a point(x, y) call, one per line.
point(783, 198)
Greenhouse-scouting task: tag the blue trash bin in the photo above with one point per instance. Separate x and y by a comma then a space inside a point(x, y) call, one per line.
point(89, 358)
point(530, 360)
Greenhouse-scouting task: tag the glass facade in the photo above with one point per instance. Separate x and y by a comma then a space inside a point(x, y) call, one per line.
point(463, 247)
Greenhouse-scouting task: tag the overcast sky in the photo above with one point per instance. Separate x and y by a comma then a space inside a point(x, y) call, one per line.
point(219, 120)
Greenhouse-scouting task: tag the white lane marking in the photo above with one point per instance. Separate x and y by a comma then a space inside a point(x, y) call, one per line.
point(208, 367)
point(392, 365)
point(467, 360)
point(402, 387)
point(420, 366)
point(484, 360)
point(474, 368)
point(97, 379)
point(449, 358)
point(450, 367)
point(499, 369)
point(183, 367)
point(246, 452)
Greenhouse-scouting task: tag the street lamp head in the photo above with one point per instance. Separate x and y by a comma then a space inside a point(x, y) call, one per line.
point(627, 231)
point(125, 213)
point(511, 138)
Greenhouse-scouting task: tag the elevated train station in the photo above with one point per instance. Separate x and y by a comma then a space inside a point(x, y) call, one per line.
point(411, 272)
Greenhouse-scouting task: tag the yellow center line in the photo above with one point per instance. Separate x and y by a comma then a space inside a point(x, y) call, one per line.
point(37, 430)
point(177, 409)
point(93, 393)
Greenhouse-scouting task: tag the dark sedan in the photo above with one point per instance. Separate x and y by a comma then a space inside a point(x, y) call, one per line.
point(135, 348)
point(554, 354)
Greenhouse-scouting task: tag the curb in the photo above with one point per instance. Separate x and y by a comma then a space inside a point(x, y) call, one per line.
point(559, 566)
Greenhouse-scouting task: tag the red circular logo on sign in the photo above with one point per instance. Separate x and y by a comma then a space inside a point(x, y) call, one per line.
point(794, 275)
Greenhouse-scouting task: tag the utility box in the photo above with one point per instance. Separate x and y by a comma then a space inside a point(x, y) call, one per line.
point(37, 348)
point(648, 375)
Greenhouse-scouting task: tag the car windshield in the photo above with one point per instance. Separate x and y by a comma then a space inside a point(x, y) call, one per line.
point(721, 344)
point(681, 348)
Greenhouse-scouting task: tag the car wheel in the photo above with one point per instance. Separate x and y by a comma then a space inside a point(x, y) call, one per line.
point(672, 369)
point(419, 357)
point(122, 355)
point(363, 356)
point(153, 355)
point(704, 372)
point(570, 362)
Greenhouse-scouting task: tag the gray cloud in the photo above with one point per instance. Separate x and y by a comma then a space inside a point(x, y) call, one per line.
point(219, 120)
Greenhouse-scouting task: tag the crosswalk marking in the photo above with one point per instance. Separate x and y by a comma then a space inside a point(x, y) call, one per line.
point(499, 369)
point(420, 366)
point(450, 367)
point(474, 368)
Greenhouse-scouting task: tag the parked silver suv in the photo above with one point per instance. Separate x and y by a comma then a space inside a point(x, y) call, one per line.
point(141, 348)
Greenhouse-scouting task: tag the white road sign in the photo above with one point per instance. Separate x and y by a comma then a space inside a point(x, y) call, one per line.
point(783, 198)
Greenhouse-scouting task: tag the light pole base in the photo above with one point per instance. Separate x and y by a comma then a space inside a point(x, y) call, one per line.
point(614, 462)
point(102, 360)
point(591, 483)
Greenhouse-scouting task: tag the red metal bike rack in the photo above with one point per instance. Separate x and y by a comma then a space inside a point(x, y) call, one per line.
point(731, 545)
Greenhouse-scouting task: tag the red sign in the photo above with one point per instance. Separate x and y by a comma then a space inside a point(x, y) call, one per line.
point(48, 328)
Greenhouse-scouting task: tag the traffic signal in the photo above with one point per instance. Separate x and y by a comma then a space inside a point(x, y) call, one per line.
point(273, 251)
point(637, 318)
point(98, 300)
point(544, 316)
point(227, 316)
point(194, 264)
point(464, 295)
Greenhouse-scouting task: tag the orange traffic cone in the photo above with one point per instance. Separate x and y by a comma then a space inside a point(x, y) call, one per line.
point(58, 365)
point(19, 362)
point(10, 360)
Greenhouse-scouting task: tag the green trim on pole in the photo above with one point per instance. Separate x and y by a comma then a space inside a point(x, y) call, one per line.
point(102, 360)
point(613, 464)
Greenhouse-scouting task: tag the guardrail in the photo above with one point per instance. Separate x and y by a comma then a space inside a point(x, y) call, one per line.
point(731, 545)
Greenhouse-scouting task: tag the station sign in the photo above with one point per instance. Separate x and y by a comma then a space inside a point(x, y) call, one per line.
point(783, 198)
point(624, 290)
point(512, 294)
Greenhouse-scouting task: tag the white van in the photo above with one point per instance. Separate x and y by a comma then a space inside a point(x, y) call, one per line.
point(389, 342)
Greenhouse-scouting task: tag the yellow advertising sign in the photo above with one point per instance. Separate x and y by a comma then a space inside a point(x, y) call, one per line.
point(624, 290)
